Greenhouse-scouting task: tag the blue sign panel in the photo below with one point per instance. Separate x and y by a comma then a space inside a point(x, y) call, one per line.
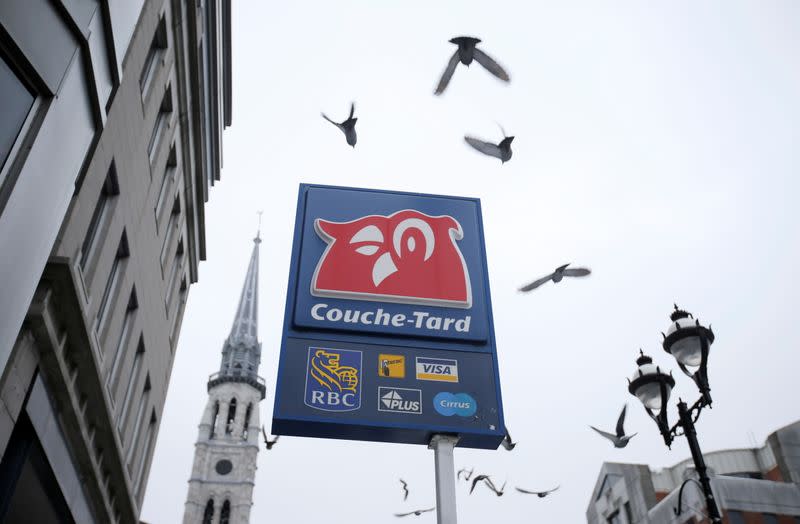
point(388, 332)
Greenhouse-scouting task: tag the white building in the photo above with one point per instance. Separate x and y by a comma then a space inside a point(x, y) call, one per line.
point(753, 486)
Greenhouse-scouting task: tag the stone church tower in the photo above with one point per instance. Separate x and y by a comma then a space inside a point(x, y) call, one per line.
point(223, 474)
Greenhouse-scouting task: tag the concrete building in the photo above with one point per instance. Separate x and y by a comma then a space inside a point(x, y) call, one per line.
point(751, 486)
point(110, 139)
point(224, 469)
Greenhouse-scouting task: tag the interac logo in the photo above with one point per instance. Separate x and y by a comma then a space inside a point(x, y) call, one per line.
point(391, 366)
point(333, 379)
point(407, 257)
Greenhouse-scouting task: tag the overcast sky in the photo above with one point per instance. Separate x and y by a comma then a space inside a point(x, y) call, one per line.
point(656, 144)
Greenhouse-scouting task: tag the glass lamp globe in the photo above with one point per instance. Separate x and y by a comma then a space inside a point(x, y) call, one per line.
point(646, 382)
point(682, 339)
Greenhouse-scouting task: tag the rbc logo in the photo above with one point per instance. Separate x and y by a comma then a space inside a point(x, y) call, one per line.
point(333, 379)
point(406, 257)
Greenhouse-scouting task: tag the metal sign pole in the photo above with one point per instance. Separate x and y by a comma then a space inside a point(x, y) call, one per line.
point(442, 446)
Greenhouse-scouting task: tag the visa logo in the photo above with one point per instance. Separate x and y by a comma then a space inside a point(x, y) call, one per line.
point(437, 369)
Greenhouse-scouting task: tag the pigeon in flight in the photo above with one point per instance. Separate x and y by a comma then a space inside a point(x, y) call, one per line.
point(465, 53)
point(348, 127)
point(557, 275)
point(405, 489)
point(416, 512)
point(507, 442)
point(269, 443)
point(501, 150)
point(486, 480)
point(467, 474)
point(620, 440)
point(540, 494)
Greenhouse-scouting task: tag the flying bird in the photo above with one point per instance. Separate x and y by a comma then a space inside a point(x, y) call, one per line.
point(416, 512)
point(467, 474)
point(507, 442)
point(557, 275)
point(405, 489)
point(540, 494)
point(488, 481)
point(620, 440)
point(269, 443)
point(501, 150)
point(348, 127)
point(465, 53)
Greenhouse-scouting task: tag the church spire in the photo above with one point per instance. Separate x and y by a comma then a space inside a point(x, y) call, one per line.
point(241, 353)
point(245, 323)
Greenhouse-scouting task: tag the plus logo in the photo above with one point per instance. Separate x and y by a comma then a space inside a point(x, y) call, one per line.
point(406, 257)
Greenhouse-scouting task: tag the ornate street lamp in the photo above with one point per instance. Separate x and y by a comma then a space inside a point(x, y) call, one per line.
point(689, 342)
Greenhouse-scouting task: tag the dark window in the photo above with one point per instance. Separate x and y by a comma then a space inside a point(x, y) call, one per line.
point(614, 518)
point(247, 420)
point(769, 518)
point(16, 101)
point(735, 517)
point(113, 279)
point(148, 447)
point(628, 514)
point(214, 420)
point(164, 111)
point(130, 312)
point(156, 52)
point(231, 417)
point(225, 514)
point(132, 379)
point(109, 190)
point(208, 514)
point(166, 183)
point(137, 427)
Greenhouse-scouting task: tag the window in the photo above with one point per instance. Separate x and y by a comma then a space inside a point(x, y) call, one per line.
point(156, 52)
point(172, 283)
point(614, 518)
point(16, 101)
point(171, 228)
point(225, 513)
point(162, 120)
point(113, 280)
point(119, 352)
point(208, 514)
point(735, 517)
point(107, 192)
point(166, 183)
point(174, 330)
point(138, 421)
point(628, 514)
point(148, 447)
point(231, 417)
point(132, 379)
point(214, 420)
point(769, 518)
point(247, 420)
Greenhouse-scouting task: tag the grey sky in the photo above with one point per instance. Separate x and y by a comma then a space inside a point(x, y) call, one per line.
point(656, 144)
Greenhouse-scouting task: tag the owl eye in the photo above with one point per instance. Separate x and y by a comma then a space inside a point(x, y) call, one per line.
point(367, 250)
point(368, 234)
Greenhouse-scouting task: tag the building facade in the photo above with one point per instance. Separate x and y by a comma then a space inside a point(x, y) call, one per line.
point(224, 469)
point(110, 139)
point(751, 486)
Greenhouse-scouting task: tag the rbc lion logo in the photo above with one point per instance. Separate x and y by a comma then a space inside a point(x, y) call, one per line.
point(333, 379)
point(406, 257)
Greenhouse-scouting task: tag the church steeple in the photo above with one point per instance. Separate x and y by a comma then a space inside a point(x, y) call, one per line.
point(223, 473)
point(241, 353)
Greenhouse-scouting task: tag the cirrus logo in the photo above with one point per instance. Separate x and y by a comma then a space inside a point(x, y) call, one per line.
point(449, 404)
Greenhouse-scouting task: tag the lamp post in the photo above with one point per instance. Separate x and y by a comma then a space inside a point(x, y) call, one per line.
point(689, 342)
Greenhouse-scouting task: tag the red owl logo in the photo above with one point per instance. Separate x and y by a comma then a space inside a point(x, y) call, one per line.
point(406, 257)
